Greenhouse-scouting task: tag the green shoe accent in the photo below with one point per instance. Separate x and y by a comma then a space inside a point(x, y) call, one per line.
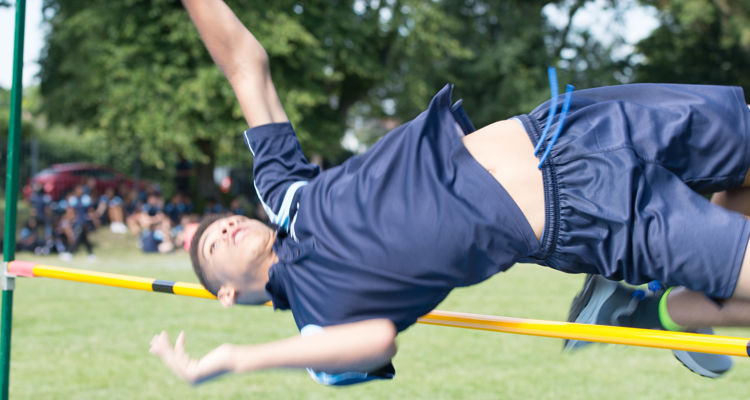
point(666, 321)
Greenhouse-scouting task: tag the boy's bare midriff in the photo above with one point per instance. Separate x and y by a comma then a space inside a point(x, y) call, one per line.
point(504, 149)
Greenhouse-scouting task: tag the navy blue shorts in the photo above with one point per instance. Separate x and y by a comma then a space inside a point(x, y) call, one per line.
point(624, 185)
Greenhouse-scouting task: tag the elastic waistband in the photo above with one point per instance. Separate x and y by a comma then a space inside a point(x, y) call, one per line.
point(551, 194)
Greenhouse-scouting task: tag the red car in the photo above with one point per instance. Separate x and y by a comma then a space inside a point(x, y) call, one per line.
point(59, 179)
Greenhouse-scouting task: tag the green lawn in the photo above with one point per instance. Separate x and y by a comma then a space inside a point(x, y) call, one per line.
point(80, 341)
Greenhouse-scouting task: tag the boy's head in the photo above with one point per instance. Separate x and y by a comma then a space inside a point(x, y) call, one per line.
point(231, 255)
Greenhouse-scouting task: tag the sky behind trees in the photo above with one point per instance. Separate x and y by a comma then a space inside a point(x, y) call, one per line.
point(639, 22)
point(134, 77)
point(33, 42)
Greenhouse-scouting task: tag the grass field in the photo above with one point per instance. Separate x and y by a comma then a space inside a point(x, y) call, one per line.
point(80, 341)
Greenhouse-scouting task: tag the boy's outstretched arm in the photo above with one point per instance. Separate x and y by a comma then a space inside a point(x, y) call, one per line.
point(241, 57)
point(359, 346)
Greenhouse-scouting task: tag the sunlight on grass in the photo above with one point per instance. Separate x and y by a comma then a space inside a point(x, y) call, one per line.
point(81, 341)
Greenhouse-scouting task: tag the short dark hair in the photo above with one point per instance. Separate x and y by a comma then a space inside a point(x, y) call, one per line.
point(197, 267)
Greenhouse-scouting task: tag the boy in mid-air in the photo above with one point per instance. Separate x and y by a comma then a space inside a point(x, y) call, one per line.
point(362, 250)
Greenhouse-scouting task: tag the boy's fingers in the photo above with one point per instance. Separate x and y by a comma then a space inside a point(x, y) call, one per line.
point(180, 343)
point(159, 342)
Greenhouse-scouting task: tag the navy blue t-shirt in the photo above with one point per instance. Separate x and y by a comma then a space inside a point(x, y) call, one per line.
point(389, 233)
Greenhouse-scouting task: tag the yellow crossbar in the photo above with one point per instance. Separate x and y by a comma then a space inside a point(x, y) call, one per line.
point(732, 346)
point(728, 345)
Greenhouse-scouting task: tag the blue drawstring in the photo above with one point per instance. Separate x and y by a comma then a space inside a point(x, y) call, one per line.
point(552, 75)
point(564, 113)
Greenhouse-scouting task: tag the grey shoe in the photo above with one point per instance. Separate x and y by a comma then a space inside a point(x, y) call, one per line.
point(704, 364)
point(600, 302)
point(605, 302)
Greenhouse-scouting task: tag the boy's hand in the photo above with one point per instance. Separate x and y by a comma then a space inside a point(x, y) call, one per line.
point(174, 358)
point(358, 346)
point(191, 370)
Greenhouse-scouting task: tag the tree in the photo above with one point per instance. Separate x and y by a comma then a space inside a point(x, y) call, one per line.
point(4, 111)
point(29, 105)
point(505, 73)
point(28, 129)
point(136, 74)
point(699, 41)
point(499, 54)
point(505, 48)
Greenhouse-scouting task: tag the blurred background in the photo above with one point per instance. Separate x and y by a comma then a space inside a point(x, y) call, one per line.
point(122, 101)
point(130, 135)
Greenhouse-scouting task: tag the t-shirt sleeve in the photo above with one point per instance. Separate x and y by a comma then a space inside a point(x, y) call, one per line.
point(279, 168)
point(345, 378)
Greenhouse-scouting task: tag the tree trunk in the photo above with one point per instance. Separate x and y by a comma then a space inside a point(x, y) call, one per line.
point(204, 173)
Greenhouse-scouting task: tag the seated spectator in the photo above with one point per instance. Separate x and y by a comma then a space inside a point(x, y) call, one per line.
point(78, 221)
point(157, 240)
point(110, 210)
point(152, 226)
point(236, 207)
point(150, 214)
point(175, 208)
point(130, 203)
point(184, 231)
point(29, 238)
point(187, 204)
point(74, 232)
point(213, 207)
point(41, 206)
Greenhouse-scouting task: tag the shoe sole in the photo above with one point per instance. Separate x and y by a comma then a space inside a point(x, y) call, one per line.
point(687, 360)
point(721, 363)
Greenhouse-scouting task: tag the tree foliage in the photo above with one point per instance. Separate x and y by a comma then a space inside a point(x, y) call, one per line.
point(135, 73)
point(29, 103)
point(134, 76)
point(699, 41)
point(493, 69)
point(4, 111)
point(127, 72)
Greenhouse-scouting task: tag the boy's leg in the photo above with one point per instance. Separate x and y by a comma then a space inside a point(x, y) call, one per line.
point(699, 135)
point(734, 199)
point(607, 302)
point(738, 199)
point(694, 310)
point(742, 290)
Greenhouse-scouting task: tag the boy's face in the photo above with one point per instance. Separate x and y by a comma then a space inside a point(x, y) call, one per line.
point(229, 248)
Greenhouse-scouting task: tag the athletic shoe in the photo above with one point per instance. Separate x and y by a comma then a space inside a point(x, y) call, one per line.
point(704, 364)
point(598, 303)
point(605, 302)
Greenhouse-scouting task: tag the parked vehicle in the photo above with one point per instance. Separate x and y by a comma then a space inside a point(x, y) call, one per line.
point(59, 179)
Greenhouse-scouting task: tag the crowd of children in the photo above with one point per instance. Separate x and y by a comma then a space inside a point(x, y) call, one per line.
point(63, 225)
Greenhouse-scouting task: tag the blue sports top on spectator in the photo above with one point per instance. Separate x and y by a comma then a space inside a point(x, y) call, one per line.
point(151, 209)
point(81, 205)
point(40, 202)
point(389, 233)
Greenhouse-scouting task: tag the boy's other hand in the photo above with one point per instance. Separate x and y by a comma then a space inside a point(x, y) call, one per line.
point(175, 357)
point(191, 370)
